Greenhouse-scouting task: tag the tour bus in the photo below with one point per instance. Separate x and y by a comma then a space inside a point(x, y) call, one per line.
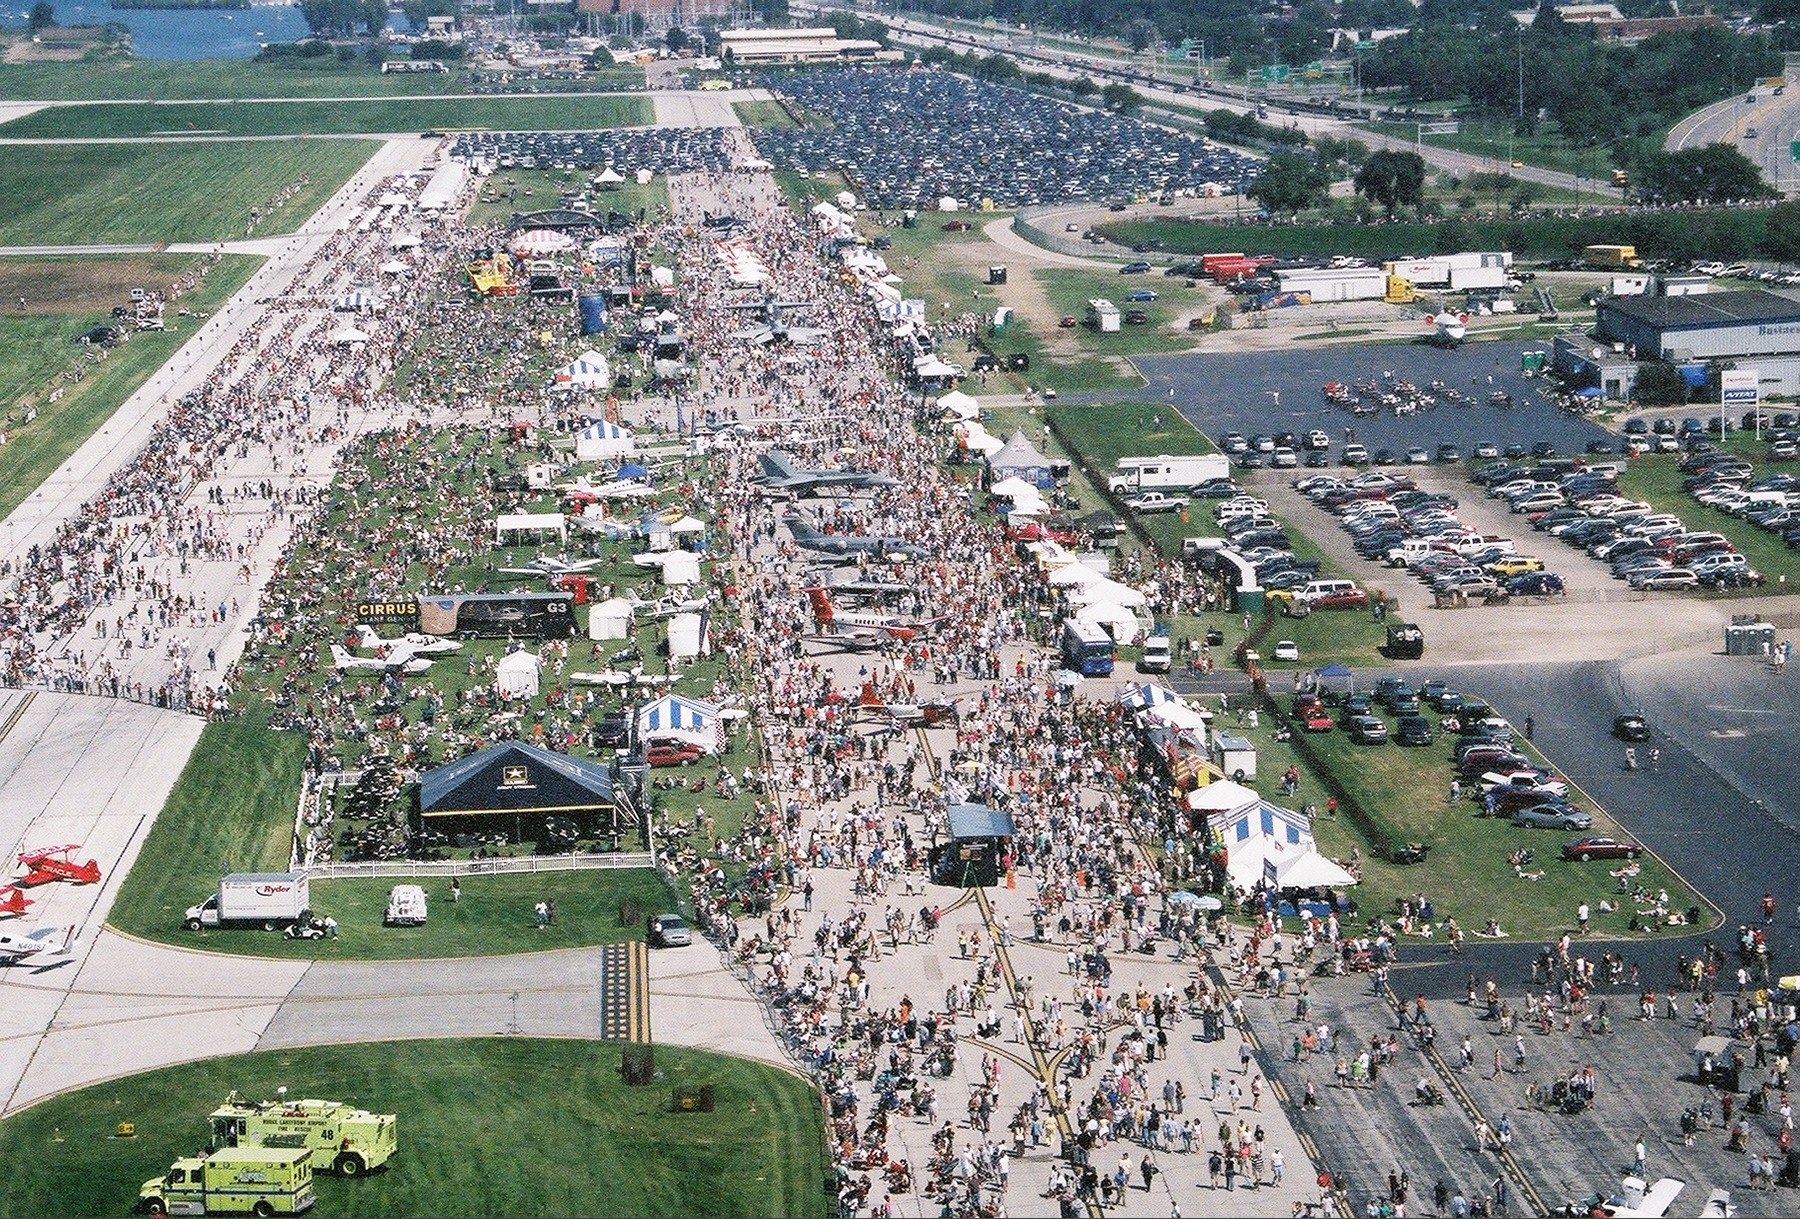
point(1086, 649)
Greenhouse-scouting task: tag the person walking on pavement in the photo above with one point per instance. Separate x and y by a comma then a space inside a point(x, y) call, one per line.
point(1638, 1154)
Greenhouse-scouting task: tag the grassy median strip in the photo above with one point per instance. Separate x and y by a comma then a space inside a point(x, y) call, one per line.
point(487, 1126)
point(309, 117)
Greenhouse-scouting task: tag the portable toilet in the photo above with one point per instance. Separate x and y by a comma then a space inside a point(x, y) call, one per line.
point(1234, 755)
point(997, 274)
point(1003, 317)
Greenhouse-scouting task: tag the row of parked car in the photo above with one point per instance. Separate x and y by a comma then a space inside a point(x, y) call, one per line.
point(1394, 521)
point(1727, 482)
point(1650, 550)
point(1258, 537)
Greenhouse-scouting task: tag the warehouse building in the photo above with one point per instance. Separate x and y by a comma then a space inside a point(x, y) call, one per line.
point(1748, 328)
point(792, 46)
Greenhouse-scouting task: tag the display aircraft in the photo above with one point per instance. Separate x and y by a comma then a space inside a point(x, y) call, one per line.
point(774, 327)
point(552, 565)
point(396, 661)
point(35, 945)
point(417, 644)
point(13, 900)
point(851, 546)
point(46, 864)
point(781, 472)
point(1448, 329)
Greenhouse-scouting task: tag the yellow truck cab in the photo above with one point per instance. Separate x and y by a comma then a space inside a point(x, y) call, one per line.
point(233, 1181)
point(340, 1138)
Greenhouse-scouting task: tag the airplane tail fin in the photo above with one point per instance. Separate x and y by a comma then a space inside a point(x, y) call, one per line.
point(868, 697)
point(340, 656)
point(13, 901)
point(68, 941)
point(822, 610)
point(365, 635)
point(802, 531)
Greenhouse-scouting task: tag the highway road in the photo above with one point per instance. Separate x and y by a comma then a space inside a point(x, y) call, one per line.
point(1773, 118)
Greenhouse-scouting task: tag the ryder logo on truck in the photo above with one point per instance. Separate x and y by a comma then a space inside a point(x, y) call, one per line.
point(272, 890)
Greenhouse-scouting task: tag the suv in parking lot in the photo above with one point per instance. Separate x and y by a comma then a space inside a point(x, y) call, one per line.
point(1134, 268)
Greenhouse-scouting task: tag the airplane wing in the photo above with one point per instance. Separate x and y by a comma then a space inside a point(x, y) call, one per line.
point(805, 334)
point(1661, 1196)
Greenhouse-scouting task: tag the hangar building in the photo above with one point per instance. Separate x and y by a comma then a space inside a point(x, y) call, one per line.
point(1749, 328)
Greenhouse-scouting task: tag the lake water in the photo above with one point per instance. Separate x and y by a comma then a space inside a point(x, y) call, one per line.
point(183, 33)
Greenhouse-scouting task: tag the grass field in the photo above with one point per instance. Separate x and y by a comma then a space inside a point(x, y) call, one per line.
point(165, 79)
point(764, 114)
point(64, 298)
point(496, 1126)
point(125, 119)
point(1493, 139)
point(90, 194)
point(207, 829)
point(1466, 873)
point(526, 190)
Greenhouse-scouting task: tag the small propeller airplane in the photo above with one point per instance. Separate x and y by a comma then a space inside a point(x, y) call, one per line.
point(398, 660)
point(552, 565)
point(828, 618)
point(44, 865)
point(33, 945)
point(419, 645)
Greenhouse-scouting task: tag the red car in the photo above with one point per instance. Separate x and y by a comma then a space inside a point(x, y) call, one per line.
point(668, 753)
point(1354, 600)
point(1598, 846)
point(1316, 719)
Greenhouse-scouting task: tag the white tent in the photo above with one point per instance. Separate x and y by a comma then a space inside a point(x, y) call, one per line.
point(609, 177)
point(529, 522)
point(1221, 796)
point(681, 569)
point(978, 439)
point(1028, 504)
point(396, 267)
point(1146, 694)
point(1012, 488)
point(1180, 717)
point(602, 439)
point(959, 404)
point(349, 335)
point(1074, 574)
point(610, 619)
point(516, 676)
point(1310, 870)
point(688, 525)
point(405, 241)
point(1116, 620)
point(644, 176)
point(1108, 591)
point(686, 638)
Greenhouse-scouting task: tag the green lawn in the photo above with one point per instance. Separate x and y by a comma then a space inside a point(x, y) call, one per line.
point(35, 347)
point(88, 194)
point(1466, 873)
point(764, 114)
point(491, 1126)
point(1070, 289)
point(333, 117)
point(529, 190)
point(1655, 481)
point(493, 917)
point(132, 78)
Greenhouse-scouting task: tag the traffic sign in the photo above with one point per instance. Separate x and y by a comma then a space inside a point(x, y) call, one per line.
point(1275, 72)
point(1794, 150)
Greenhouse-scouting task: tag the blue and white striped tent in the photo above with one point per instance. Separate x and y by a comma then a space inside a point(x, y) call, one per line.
point(601, 439)
point(356, 301)
point(1147, 694)
point(681, 718)
point(588, 368)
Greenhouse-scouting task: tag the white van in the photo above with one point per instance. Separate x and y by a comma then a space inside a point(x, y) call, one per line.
point(1158, 655)
point(1314, 590)
point(406, 907)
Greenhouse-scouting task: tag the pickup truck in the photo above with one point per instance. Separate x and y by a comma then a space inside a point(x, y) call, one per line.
point(1155, 501)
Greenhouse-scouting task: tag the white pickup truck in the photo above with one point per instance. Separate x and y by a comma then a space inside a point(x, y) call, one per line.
point(1155, 501)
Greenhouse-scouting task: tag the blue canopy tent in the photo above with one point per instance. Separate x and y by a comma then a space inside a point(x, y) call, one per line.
point(980, 841)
